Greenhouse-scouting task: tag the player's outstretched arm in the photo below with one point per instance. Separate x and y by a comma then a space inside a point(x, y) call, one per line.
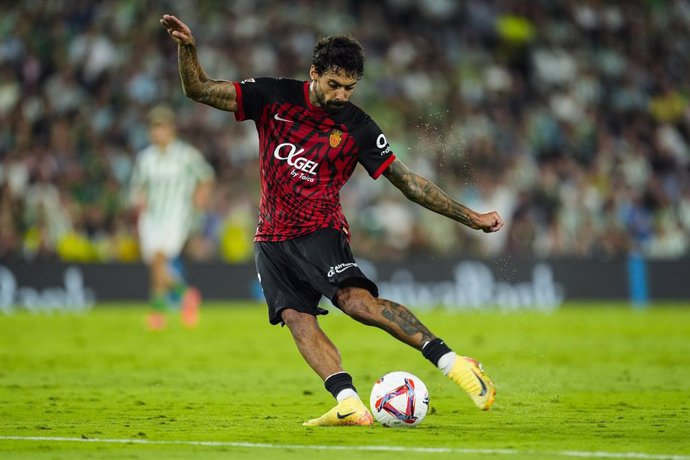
point(195, 83)
point(424, 192)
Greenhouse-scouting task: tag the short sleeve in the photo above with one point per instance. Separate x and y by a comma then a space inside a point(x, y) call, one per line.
point(252, 96)
point(375, 152)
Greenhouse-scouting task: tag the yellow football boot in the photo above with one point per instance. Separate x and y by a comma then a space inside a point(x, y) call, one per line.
point(350, 412)
point(469, 375)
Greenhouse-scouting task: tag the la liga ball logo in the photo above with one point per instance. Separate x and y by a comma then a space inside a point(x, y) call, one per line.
point(399, 399)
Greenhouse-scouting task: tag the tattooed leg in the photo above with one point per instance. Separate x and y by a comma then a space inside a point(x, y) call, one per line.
point(390, 316)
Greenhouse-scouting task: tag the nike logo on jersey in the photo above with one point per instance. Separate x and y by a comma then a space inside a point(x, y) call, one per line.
point(277, 117)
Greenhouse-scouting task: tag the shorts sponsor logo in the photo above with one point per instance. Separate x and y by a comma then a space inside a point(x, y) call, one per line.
point(340, 268)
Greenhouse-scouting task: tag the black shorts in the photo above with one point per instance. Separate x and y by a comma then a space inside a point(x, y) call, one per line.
point(296, 273)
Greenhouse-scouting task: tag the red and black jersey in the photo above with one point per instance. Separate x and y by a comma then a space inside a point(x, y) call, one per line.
point(306, 154)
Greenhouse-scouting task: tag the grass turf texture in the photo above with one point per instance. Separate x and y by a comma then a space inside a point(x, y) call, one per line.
point(585, 379)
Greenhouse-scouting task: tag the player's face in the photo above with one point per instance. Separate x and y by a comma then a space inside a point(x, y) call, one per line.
point(161, 133)
point(332, 90)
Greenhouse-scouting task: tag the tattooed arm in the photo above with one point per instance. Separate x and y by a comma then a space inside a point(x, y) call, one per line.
point(195, 83)
point(424, 192)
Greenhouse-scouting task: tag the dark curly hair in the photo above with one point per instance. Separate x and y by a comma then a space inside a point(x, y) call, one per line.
point(339, 52)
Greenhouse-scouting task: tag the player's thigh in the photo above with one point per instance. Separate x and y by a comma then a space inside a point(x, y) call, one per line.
point(283, 283)
point(166, 238)
point(326, 258)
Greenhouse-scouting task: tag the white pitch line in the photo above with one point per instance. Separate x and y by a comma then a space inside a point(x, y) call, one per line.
point(430, 450)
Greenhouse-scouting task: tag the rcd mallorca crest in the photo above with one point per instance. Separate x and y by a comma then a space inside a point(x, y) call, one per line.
point(335, 138)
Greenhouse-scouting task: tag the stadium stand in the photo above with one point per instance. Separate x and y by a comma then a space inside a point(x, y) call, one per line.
point(569, 118)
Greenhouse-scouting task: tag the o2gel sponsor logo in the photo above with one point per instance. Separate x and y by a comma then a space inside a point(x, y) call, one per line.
point(301, 166)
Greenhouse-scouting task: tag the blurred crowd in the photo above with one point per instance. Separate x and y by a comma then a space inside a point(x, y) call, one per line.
point(569, 118)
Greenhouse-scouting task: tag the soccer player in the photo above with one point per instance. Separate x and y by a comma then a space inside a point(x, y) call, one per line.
point(311, 138)
point(170, 178)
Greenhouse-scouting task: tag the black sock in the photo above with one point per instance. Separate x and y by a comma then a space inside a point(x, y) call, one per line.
point(434, 349)
point(339, 382)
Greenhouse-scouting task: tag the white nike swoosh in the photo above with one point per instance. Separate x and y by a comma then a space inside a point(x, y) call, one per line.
point(281, 119)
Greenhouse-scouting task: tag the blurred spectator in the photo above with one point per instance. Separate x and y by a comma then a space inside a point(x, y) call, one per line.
point(555, 113)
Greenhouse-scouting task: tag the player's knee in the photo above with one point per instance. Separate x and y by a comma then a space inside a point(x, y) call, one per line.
point(357, 303)
point(296, 320)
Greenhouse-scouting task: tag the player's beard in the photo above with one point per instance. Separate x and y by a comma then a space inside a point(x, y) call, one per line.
point(334, 106)
point(330, 106)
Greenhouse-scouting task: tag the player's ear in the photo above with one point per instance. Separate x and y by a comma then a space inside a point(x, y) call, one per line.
point(313, 74)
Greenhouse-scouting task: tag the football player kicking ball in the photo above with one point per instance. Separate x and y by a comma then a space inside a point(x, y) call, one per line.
point(311, 139)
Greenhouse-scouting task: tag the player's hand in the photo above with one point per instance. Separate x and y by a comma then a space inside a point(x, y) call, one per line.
point(489, 222)
point(178, 30)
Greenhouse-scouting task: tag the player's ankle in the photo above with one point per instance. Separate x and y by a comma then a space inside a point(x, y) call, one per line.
point(340, 386)
point(346, 393)
point(439, 354)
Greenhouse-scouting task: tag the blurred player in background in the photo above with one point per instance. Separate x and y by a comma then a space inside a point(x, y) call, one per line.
point(171, 180)
point(311, 139)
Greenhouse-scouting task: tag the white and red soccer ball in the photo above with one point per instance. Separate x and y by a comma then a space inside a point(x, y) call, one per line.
point(399, 399)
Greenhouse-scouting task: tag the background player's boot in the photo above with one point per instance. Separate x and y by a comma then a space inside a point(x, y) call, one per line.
point(155, 321)
point(191, 301)
point(351, 411)
point(469, 375)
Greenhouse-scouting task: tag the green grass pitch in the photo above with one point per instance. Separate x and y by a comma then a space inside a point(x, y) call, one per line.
point(589, 380)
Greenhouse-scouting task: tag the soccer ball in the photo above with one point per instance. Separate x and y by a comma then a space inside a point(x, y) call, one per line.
point(399, 399)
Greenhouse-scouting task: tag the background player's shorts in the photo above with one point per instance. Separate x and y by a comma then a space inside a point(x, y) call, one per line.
point(166, 237)
point(296, 273)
